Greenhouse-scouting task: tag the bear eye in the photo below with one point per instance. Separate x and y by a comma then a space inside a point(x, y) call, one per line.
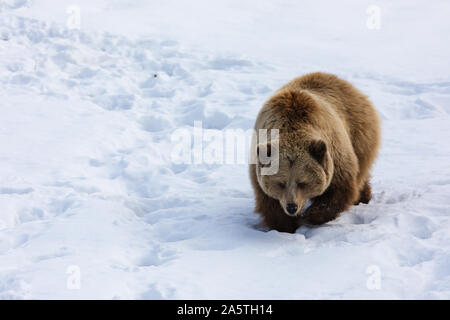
point(301, 185)
point(282, 185)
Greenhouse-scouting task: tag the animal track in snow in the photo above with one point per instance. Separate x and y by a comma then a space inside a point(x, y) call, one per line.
point(9, 190)
point(228, 63)
point(391, 197)
point(156, 256)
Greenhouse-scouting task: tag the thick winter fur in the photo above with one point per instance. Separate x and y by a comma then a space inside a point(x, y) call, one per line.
point(329, 135)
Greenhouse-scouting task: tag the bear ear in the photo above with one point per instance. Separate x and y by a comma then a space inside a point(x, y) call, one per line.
point(317, 149)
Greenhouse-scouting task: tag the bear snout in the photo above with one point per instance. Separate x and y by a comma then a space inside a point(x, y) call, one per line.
point(291, 208)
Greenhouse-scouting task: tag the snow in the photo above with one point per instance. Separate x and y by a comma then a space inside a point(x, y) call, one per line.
point(93, 206)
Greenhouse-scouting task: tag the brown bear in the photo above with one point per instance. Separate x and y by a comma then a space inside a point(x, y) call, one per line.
point(329, 135)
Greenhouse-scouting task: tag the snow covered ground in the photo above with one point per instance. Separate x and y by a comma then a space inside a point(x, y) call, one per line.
point(92, 204)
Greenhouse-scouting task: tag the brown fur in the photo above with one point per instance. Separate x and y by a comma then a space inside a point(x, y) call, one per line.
point(329, 139)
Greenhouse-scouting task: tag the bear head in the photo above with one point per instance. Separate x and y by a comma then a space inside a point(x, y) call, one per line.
point(303, 171)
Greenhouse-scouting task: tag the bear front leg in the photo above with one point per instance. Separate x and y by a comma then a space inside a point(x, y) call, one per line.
point(365, 194)
point(273, 215)
point(329, 205)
